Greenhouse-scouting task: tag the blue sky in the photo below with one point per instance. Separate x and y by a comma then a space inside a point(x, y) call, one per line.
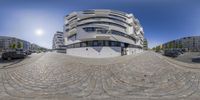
point(162, 20)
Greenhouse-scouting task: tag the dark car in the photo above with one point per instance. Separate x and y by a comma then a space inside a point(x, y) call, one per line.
point(196, 59)
point(28, 52)
point(180, 51)
point(172, 53)
point(13, 55)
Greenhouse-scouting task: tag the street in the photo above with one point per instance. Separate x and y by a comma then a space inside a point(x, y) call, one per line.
point(144, 76)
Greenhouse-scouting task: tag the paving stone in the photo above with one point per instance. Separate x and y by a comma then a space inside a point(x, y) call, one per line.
point(144, 76)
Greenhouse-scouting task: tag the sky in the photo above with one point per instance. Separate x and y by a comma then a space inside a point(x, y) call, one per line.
point(162, 20)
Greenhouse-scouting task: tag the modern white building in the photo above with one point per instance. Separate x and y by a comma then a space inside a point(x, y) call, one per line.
point(58, 40)
point(102, 33)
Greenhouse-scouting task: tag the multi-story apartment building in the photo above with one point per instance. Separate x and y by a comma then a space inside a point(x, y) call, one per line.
point(35, 47)
point(102, 33)
point(145, 44)
point(9, 43)
point(58, 40)
point(191, 43)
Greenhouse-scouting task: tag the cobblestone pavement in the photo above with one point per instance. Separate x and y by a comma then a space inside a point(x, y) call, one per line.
point(145, 76)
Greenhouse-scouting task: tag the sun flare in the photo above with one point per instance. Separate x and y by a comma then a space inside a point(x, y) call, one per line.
point(39, 32)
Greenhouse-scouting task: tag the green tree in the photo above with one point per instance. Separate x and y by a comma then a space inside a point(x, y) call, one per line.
point(14, 46)
point(157, 48)
point(19, 45)
point(180, 46)
point(170, 45)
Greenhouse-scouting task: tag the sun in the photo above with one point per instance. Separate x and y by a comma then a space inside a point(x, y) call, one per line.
point(39, 32)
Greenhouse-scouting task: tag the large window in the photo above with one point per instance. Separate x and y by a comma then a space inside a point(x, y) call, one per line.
point(100, 43)
point(105, 31)
point(97, 43)
point(90, 43)
point(103, 22)
point(77, 45)
point(84, 44)
point(89, 29)
point(102, 31)
point(95, 29)
point(106, 43)
point(102, 17)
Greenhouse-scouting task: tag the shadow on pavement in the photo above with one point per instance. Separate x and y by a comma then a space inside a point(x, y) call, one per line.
point(9, 63)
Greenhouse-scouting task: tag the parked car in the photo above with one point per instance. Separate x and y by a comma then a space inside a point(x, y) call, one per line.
point(178, 50)
point(18, 53)
point(171, 53)
point(28, 52)
point(196, 59)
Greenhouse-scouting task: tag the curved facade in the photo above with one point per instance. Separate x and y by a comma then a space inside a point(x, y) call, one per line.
point(102, 33)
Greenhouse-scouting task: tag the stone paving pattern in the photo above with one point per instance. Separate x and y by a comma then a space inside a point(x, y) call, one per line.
point(145, 76)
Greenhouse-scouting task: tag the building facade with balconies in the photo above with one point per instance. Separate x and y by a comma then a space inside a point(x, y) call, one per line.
point(191, 43)
point(58, 40)
point(9, 43)
point(102, 33)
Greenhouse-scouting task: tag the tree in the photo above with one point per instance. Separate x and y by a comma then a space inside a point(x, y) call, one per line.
point(19, 45)
point(170, 45)
point(157, 48)
point(154, 48)
point(14, 46)
point(178, 45)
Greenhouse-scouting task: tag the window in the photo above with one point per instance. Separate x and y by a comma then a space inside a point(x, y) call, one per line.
point(102, 31)
point(122, 45)
point(89, 29)
point(90, 43)
point(70, 46)
point(83, 44)
point(106, 43)
point(67, 30)
point(100, 43)
point(103, 22)
point(101, 17)
point(95, 43)
point(77, 45)
point(112, 43)
point(97, 29)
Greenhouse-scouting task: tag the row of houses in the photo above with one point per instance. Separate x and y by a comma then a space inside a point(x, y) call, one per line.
point(10, 43)
point(191, 43)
